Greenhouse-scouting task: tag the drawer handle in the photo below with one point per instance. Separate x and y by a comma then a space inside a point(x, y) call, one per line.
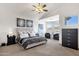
point(68, 41)
point(68, 44)
point(68, 37)
point(68, 30)
point(68, 34)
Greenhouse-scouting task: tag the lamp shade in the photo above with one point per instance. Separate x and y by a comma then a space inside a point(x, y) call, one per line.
point(11, 32)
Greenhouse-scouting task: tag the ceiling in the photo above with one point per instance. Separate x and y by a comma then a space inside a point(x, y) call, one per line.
point(25, 9)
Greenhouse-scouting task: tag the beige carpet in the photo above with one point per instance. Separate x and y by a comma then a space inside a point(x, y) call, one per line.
point(52, 48)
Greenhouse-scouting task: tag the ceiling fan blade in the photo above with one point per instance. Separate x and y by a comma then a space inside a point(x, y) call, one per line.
point(39, 3)
point(44, 6)
point(45, 10)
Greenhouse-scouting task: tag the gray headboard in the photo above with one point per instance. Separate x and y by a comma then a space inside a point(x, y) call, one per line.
point(21, 29)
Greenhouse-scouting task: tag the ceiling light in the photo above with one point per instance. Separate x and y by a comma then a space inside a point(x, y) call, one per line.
point(40, 8)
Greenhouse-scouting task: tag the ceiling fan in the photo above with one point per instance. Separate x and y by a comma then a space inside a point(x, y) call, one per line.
point(40, 8)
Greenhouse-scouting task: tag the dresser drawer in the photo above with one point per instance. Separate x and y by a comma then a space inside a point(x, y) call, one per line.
point(69, 33)
point(72, 38)
point(67, 41)
point(67, 44)
point(69, 30)
point(70, 45)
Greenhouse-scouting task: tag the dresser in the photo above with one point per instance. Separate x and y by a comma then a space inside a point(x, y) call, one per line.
point(70, 38)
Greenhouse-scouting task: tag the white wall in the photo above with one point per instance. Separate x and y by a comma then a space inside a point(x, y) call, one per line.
point(45, 20)
point(7, 23)
point(8, 17)
point(68, 10)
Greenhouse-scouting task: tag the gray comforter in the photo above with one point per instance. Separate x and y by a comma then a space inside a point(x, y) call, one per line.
point(26, 41)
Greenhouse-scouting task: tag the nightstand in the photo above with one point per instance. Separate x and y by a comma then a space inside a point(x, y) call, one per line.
point(11, 39)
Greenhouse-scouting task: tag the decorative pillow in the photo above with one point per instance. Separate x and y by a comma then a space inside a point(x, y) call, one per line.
point(24, 35)
point(32, 34)
point(29, 35)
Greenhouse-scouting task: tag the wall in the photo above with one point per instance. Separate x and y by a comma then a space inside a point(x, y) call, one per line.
point(8, 15)
point(68, 10)
point(7, 23)
point(44, 22)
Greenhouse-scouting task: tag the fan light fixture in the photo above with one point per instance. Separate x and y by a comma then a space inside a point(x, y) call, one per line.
point(40, 8)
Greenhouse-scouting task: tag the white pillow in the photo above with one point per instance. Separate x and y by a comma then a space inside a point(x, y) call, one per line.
point(32, 34)
point(24, 35)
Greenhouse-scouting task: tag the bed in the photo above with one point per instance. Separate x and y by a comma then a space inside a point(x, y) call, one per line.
point(32, 42)
point(28, 40)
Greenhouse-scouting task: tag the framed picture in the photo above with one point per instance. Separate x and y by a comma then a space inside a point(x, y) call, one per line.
point(29, 23)
point(20, 22)
point(71, 20)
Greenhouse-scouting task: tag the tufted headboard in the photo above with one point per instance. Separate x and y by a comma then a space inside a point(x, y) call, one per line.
point(19, 30)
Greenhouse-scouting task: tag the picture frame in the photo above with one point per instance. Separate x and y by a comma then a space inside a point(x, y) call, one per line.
point(29, 23)
point(20, 22)
point(71, 21)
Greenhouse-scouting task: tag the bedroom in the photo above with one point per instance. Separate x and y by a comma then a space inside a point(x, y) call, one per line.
point(9, 12)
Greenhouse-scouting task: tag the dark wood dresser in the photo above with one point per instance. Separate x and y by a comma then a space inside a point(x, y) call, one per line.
point(70, 38)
